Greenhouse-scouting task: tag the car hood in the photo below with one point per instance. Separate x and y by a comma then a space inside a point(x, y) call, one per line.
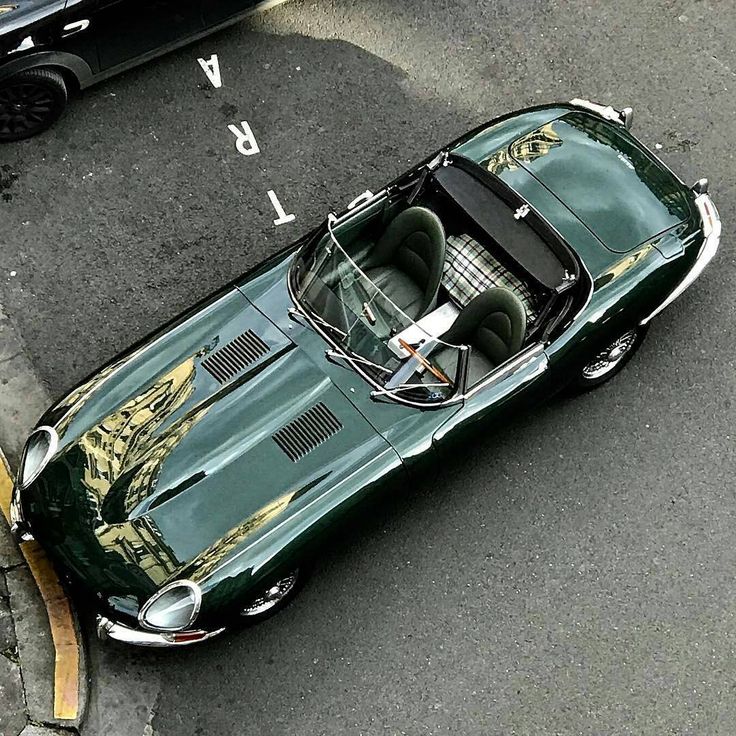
point(218, 425)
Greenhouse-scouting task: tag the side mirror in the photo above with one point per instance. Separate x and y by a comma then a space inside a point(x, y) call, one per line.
point(700, 186)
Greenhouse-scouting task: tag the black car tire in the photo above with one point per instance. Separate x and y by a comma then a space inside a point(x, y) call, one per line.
point(259, 607)
point(30, 102)
point(602, 367)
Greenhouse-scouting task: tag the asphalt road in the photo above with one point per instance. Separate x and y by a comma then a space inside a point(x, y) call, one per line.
point(574, 573)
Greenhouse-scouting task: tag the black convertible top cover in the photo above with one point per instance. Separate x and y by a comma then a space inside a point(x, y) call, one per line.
point(494, 215)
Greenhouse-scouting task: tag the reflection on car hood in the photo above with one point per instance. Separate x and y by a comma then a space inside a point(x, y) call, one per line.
point(166, 460)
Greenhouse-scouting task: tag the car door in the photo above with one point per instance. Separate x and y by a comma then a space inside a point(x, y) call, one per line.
point(518, 384)
point(129, 31)
point(220, 11)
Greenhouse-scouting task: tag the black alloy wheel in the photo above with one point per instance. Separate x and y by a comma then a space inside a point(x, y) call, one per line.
point(30, 102)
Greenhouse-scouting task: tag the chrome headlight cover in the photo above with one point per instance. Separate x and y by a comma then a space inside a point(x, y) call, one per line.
point(180, 601)
point(40, 447)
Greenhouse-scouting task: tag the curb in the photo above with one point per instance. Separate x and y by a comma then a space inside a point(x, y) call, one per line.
point(42, 660)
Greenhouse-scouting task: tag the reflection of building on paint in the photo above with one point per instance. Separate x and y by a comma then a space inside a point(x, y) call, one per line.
point(620, 267)
point(207, 560)
point(144, 480)
point(657, 179)
point(140, 543)
point(534, 145)
point(120, 439)
point(74, 401)
point(124, 439)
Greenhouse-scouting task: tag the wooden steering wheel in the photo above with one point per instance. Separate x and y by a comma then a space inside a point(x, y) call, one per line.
point(436, 372)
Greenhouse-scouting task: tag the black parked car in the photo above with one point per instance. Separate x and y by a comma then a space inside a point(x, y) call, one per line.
point(49, 48)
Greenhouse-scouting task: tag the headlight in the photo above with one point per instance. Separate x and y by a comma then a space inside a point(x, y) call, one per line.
point(39, 449)
point(173, 608)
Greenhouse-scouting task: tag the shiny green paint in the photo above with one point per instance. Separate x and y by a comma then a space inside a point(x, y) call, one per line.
point(162, 473)
point(626, 287)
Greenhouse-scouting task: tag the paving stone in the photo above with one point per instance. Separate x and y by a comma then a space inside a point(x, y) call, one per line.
point(9, 553)
point(33, 730)
point(3, 586)
point(7, 629)
point(35, 647)
point(12, 706)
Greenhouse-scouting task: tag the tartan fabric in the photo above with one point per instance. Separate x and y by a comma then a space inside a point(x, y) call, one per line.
point(470, 269)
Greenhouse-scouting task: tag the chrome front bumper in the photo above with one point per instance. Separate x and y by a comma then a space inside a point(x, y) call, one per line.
point(712, 232)
point(109, 629)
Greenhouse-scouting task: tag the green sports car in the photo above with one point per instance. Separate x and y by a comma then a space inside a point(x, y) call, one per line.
point(189, 483)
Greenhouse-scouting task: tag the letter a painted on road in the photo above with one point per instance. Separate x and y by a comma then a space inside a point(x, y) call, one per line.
point(283, 218)
point(211, 68)
point(245, 140)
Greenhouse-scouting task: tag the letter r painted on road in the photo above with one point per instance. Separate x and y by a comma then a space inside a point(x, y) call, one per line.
point(283, 218)
point(245, 140)
point(211, 67)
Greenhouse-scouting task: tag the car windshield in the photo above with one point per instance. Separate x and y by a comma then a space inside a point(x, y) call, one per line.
point(404, 359)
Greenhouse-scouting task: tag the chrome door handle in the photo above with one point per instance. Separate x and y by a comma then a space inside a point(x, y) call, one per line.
point(71, 28)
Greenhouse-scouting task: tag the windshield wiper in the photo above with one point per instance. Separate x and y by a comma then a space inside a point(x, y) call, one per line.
point(296, 313)
point(407, 387)
point(353, 357)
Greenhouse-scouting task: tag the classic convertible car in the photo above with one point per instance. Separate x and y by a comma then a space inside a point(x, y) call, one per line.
point(51, 48)
point(189, 483)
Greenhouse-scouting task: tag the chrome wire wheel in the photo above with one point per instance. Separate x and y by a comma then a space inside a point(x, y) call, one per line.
point(272, 596)
point(609, 359)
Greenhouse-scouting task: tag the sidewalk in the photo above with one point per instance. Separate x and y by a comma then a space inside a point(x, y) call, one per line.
point(42, 673)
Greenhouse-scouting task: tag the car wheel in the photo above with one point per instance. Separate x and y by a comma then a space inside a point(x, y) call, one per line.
point(606, 363)
point(273, 596)
point(30, 102)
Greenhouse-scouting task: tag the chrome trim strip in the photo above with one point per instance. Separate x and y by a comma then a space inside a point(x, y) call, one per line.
point(109, 629)
point(521, 360)
point(176, 584)
point(712, 232)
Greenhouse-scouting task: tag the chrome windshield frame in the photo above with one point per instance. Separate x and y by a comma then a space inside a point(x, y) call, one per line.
point(338, 350)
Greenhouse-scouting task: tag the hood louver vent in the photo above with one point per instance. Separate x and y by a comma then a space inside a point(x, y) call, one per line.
point(235, 357)
point(307, 432)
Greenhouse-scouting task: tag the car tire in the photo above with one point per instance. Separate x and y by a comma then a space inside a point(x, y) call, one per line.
point(30, 102)
point(273, 595)
point(608, 362)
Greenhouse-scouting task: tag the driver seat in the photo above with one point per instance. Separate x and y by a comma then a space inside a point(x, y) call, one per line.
point(407, 261)
point(493, 324)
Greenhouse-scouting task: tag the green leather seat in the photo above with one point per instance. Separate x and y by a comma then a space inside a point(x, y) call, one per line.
point(406, 262)
point(493, 324)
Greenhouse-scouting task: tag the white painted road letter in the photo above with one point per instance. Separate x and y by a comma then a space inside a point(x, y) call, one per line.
point(283, 217)
point(246, 141)
point(211, 68)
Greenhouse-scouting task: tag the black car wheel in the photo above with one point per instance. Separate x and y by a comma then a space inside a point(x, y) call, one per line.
point(30, 102)
point(606, 363)
point(274, 595)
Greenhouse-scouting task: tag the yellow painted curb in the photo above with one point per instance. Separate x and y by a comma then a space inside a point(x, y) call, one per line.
point(61, 622)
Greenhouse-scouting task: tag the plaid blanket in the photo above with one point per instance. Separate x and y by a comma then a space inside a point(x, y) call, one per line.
point(470, 269)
